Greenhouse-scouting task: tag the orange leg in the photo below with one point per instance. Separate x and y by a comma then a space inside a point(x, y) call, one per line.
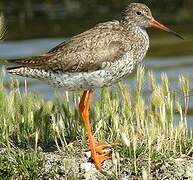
point(98, 152)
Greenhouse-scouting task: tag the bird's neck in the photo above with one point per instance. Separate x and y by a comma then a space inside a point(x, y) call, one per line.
point(132, 27)
point(141, 39)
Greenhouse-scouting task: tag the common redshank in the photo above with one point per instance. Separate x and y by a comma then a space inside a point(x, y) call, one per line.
point(93, 59)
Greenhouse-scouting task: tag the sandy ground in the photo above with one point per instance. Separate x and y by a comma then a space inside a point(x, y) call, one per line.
point(81, 168)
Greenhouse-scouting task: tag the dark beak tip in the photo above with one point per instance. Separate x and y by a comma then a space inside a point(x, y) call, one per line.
point(182, 38)
point(177, 35)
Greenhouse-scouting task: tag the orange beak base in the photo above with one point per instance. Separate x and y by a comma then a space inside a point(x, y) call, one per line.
point(156, 24)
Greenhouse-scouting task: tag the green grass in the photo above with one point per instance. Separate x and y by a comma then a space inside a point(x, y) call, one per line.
point(145, 130)
point(22, 165)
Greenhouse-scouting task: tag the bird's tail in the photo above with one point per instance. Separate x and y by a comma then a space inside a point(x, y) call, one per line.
point(12, 66)
point(17, 70)
point(22, 66)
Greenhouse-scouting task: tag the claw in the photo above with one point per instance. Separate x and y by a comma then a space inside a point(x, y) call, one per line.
point(100, 154)
point(100, 158)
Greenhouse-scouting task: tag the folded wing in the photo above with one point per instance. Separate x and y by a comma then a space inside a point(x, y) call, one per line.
point(88, 51)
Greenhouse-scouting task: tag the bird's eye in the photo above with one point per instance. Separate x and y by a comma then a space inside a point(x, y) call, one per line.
point(138, 13)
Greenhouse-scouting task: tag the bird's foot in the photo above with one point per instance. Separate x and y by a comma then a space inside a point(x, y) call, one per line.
point(102, 148)
point(101, 153)
point(99, 159)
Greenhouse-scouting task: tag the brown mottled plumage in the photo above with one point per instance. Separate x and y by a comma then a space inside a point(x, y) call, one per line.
point(95, 58)
point(90, 50)
point(106, 42)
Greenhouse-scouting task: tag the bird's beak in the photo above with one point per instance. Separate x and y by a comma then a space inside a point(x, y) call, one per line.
point(156, 24)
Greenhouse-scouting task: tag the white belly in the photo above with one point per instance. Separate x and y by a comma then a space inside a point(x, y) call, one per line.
point(111, 73)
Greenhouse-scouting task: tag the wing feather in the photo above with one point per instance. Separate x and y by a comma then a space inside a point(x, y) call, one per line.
point(88, 51)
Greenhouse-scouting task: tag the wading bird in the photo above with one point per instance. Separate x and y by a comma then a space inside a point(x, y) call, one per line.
point(96, 58)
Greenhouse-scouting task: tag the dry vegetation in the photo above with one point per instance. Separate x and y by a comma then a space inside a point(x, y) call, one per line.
point(145, 130)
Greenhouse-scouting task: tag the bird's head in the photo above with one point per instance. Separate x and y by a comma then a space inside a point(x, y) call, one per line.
point(138, 14)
